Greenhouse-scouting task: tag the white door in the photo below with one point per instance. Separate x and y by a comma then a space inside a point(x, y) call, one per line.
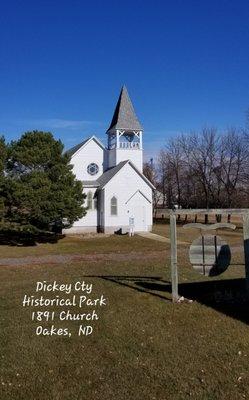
point(137, 209)
point(139, 218)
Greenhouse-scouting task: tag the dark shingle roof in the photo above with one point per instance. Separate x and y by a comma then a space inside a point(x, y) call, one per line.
point(124, 116)
point(73, 150)
point(109, 174)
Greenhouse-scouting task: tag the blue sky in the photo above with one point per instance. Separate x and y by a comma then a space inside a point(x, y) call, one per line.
point(62, 64)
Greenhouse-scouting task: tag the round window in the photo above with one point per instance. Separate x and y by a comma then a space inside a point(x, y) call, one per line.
point(92, 169)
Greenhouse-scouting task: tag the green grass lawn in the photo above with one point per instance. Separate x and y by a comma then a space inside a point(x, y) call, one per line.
point(79, 245)
point(142, 347)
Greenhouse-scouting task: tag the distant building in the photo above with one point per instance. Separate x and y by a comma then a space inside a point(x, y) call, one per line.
point(118, 195)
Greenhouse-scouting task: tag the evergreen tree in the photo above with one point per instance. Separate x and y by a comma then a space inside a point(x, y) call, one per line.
point(41, 190)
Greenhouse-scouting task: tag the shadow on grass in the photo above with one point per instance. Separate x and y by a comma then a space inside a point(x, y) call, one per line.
point(10, 238)
point(226, 296)
point(144, 284)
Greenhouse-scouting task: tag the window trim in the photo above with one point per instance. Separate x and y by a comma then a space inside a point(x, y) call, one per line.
point(89, 199)
point(96, 169)
point(115, 206)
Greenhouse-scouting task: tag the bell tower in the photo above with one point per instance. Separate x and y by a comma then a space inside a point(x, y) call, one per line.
point(125, 134)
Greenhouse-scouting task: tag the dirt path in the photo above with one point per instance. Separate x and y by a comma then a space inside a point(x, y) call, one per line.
point(98, 257)
point(159, 238)
point(68, 258)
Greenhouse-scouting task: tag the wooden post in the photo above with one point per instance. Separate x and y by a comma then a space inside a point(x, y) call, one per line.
point(246, 247)
point(174, 272)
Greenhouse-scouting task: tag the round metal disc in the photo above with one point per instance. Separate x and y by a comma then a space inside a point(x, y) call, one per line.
point(209, 255)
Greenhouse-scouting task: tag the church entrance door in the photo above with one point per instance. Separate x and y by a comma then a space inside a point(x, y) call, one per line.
point(137, 209)
point(139, 219)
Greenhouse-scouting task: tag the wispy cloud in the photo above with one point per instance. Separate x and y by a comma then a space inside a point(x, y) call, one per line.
point(60, 123)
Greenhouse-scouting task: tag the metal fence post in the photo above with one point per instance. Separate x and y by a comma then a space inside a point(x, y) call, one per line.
point(246, 247)
point(174, 272)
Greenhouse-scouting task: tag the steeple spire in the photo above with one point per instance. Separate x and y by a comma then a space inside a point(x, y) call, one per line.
point(124, 117)
point(125, 134)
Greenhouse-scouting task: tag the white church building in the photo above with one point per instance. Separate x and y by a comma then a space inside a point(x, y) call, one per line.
point(118, 195)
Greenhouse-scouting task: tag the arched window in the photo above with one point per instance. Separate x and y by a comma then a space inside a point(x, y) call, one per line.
point(89, 200)
point(114, 206)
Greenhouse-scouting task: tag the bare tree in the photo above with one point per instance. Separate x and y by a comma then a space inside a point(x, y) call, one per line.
point(151, 173)
point(206, 169)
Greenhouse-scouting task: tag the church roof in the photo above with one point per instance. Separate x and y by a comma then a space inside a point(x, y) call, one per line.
point(110, 173)
point(74, 149)
point(124, 116)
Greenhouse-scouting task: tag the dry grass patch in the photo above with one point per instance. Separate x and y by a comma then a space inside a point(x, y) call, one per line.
point(142, 347)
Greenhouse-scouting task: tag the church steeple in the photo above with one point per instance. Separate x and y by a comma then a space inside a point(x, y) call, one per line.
point(124, 117)
point(125, 133)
